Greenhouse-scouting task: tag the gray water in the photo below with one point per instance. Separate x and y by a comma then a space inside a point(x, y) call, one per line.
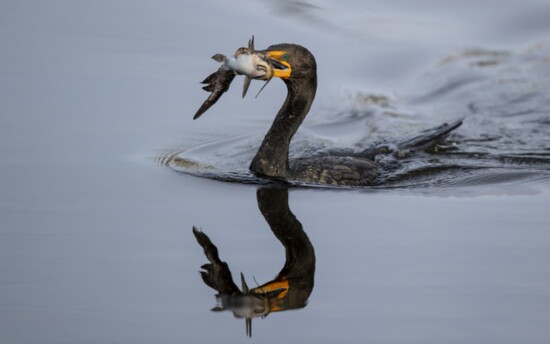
point(96, 242)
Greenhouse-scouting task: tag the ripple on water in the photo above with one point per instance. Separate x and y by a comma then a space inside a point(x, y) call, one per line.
point(505, 138)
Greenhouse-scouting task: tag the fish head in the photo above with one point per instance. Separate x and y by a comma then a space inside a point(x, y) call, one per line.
point(249, 65)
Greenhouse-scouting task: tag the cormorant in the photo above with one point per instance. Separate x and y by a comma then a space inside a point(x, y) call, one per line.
point(297, 67)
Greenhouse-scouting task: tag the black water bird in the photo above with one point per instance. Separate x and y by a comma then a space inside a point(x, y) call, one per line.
point(297, 67)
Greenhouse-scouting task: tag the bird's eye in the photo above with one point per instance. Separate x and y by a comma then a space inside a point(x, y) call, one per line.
point(285, 57)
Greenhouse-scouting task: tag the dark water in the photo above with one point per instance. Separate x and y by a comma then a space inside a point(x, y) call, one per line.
point(96, 240)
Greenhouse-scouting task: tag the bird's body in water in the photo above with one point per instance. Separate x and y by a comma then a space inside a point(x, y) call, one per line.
point(297, 67)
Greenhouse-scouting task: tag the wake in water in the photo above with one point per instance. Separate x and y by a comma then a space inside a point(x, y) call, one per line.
point(504, 97)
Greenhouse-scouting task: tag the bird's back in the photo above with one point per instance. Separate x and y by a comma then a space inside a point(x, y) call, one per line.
point(334, 170)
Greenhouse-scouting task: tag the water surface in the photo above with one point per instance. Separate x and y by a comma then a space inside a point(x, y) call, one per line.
point(96, 241)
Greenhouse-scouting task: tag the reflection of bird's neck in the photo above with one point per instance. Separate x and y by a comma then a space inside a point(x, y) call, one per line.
point(272, 157)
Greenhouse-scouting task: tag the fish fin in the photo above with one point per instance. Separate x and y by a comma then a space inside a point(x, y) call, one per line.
point(244, 285)
point(251, 45)
point(246, 84)
point(209, 78)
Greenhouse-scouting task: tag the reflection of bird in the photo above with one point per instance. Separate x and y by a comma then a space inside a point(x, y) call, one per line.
point(296, 66)
point(292, 286)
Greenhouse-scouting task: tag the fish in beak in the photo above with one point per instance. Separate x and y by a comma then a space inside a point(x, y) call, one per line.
point(271, 64)
point(259, 65)
point(243, 62)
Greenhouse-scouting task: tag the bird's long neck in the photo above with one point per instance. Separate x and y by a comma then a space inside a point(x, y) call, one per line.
point(272, 157)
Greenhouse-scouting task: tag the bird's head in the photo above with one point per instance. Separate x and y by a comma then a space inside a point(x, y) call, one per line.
point(286, 61)
point(294, 64)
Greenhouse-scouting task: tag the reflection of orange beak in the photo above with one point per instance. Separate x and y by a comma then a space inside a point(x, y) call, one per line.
point(279, 287)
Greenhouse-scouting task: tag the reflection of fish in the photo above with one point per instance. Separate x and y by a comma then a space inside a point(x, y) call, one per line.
point(244, 62)
point(248, 303)
point(292, 286)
